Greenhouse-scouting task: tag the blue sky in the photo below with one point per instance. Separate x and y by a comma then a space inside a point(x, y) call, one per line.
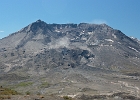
point(119, 14)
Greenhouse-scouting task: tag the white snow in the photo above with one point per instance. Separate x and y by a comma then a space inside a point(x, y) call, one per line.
point(132, 37)
point(57, 31)
point(90, 32)
point(82, 33)
point(133, 49)
point(119, 43)
point(84, 38)
point(72, 39)
point(109, 40)
point(114, 36)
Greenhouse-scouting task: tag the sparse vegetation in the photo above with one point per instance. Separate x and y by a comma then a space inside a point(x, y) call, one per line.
point(7, 91)
point(67, 98)
point(44, 85)
point(28, 93)
point(24, 84)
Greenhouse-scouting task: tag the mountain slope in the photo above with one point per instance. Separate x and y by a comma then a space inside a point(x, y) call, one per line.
point(95, 45)
point(70, 54)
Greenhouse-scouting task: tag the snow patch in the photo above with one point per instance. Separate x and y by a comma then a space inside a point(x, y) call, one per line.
point(82, 33)
point(109, 40)
point(57, 31)
point(114, 36)
point(84, 39)
point(133, 49)
point(90, 33)
point(119, 43)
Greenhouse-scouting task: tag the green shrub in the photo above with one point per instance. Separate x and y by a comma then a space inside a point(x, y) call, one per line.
point(28, 93)
point(7, 91)
point(45, 85)
point(24, 84)
point(67, 98)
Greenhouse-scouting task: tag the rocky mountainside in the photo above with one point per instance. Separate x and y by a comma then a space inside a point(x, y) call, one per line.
point(76, 55)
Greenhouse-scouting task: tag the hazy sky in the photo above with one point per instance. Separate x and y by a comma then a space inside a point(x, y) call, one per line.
point(119, 14)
